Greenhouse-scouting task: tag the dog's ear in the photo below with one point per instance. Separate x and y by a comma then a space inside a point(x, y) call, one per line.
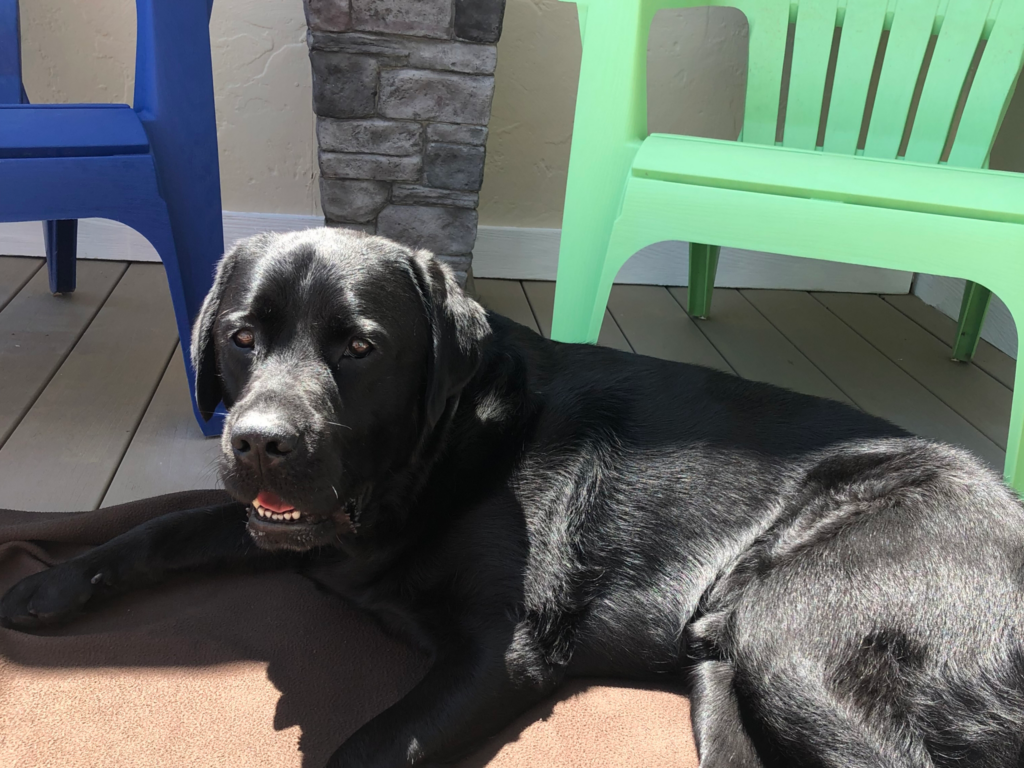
point(459, 327)
point(209, 392)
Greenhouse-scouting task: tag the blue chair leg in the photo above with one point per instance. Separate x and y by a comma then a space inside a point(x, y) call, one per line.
point(61, 239)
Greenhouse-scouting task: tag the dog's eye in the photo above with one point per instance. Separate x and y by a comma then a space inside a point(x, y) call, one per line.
point(358, 348)
point(244, 338)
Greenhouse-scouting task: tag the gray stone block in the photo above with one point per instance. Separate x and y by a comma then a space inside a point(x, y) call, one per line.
point(377, 137)
point(416, 94)
point(343, 85)
point(369, 229)
point(479, 20)
point(459, 263)
point(445, 230)
point(354, 200)
point(450, 133)
point(332, 15)
point(340, 165)
point(454, 166)
point(426, 18)
point(468, 58)
point(409, 194)
point(462, 267)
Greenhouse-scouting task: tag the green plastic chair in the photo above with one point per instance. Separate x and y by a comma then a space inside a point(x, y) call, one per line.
point(628, 190)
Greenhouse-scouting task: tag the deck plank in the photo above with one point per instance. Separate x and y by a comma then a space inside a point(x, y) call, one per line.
point(38, 330)
point(868, 377)
point(15, 272)
point(542, 301)
point(756, 349)
point(506, 297)
point(967, 389)
point(655, 325)
point(168, 452)
point(993, 361)
point(64, 453)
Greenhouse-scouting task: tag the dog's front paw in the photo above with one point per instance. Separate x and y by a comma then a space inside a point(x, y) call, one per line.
point(50, 597)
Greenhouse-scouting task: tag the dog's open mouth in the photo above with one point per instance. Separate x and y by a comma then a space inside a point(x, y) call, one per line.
point(268, 511)
point(272, 508)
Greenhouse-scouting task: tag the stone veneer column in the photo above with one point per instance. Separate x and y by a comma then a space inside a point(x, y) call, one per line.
point(402, 91)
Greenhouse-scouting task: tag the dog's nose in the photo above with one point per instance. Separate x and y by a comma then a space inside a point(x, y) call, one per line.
point(263, 444)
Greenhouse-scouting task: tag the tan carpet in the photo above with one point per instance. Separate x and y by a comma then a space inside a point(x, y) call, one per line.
point(255, 670)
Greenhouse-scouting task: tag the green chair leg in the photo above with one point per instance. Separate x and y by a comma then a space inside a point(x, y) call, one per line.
point(972, 317)
point(703, 265)
point(1014, 469)
point(580, 301)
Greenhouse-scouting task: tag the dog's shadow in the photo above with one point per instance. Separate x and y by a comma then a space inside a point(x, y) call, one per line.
point(332, 667)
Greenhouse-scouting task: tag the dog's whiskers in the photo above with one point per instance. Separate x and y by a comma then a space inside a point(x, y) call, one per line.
point(337, 424)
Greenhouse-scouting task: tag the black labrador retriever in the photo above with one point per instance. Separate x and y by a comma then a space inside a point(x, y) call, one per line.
point(829, 590)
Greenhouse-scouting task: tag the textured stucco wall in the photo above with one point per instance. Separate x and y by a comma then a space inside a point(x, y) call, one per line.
point(83, 50)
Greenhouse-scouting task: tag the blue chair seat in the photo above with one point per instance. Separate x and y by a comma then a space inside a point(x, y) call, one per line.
point(70, 130)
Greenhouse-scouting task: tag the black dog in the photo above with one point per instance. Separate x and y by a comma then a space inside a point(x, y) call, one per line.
point(830, 591)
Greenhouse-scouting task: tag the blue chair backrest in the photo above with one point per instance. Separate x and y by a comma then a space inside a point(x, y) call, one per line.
point(11, 91)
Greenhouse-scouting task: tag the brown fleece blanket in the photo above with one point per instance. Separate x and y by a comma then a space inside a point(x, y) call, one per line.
point(244, 670)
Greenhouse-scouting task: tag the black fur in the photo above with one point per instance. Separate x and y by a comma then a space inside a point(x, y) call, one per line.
point(830, 590)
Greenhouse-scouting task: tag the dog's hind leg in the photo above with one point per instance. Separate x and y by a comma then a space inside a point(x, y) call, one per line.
point(798, 719)
point(717, 726)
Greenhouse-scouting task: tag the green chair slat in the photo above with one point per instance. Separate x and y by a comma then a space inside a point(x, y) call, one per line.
point(908, 40)
point(769, 25)
point(992, 88)
point(958, 40)
point(582, 12)
point(858, 49)
point(812, 45)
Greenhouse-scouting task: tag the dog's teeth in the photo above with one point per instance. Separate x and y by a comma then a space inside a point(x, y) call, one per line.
point(269, 514)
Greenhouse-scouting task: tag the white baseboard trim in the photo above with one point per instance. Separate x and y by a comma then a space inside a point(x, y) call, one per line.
point(945, 294)
point(519, 253)
point(513, 253)
point(105, 239)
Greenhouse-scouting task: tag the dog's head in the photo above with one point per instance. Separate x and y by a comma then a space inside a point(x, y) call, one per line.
point(337, 356)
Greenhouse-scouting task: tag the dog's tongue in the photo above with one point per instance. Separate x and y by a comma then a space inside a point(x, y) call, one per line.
point(273, 502)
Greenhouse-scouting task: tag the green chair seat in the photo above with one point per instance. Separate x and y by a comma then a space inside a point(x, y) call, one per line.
point(969, 193)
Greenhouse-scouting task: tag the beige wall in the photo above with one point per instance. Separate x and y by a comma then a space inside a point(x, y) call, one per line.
point(83, 50)
point(697, 77)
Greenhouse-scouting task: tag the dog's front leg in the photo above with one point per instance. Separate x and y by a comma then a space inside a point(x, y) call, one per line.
point(476, 686)
point(191, 540)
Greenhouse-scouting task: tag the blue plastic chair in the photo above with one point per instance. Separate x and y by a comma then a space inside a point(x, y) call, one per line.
point(153, 167)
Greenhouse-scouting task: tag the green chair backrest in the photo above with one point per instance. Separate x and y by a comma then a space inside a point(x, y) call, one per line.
point(962, 29)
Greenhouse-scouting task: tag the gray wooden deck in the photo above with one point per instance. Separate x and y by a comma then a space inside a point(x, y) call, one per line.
point(94, 406)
